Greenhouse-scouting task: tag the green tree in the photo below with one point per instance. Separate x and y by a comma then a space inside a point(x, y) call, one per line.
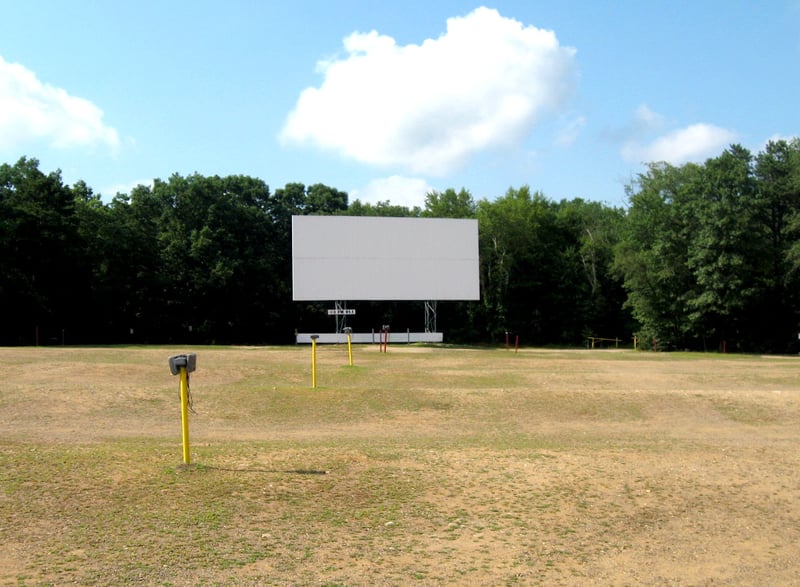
point(591, 231)
point(221, 255)
point(518, 260)
point(42, 277)
point(92, 218)
point(652, 254)
point(449, 204)
point(777, 172)
point(721, 249)
point(382, 208)
point(322, 199)
point(706, 250)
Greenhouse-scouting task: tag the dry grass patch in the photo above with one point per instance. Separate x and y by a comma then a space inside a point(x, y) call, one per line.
point(427, 466)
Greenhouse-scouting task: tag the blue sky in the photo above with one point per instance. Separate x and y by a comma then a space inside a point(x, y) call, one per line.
point(388, 100)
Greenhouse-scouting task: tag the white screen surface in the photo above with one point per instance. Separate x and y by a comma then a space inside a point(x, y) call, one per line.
point(370, 258)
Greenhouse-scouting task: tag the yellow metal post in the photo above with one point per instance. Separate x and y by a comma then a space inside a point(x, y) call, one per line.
point(349, 331)
point(314, 360)
point(185, 414)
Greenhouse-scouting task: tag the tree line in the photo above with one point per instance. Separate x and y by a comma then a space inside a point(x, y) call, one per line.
point(704, 256)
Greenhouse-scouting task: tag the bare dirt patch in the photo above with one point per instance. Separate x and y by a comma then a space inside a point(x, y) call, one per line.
point(418, 466)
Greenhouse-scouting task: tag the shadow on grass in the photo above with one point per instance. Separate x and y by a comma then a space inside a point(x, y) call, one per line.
point(200, 467)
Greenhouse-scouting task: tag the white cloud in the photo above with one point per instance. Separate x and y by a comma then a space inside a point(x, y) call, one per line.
point(427, 108)
point(398, 190)
point(31, 111)
point(646, 120)
point(694, 143)
point(570, 132)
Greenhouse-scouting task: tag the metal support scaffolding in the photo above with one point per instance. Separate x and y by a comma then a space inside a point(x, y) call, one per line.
point(430, 316)
point(340, 308)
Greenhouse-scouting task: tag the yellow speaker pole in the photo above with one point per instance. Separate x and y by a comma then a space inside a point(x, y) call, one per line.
point(349, 332)
point(314, 338)
point(185, 414)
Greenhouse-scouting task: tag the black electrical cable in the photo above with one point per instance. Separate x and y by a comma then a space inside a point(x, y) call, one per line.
point(189, 401)
point(189, 395)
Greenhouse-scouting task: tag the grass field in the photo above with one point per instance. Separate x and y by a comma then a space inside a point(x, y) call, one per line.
point(421, 466)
